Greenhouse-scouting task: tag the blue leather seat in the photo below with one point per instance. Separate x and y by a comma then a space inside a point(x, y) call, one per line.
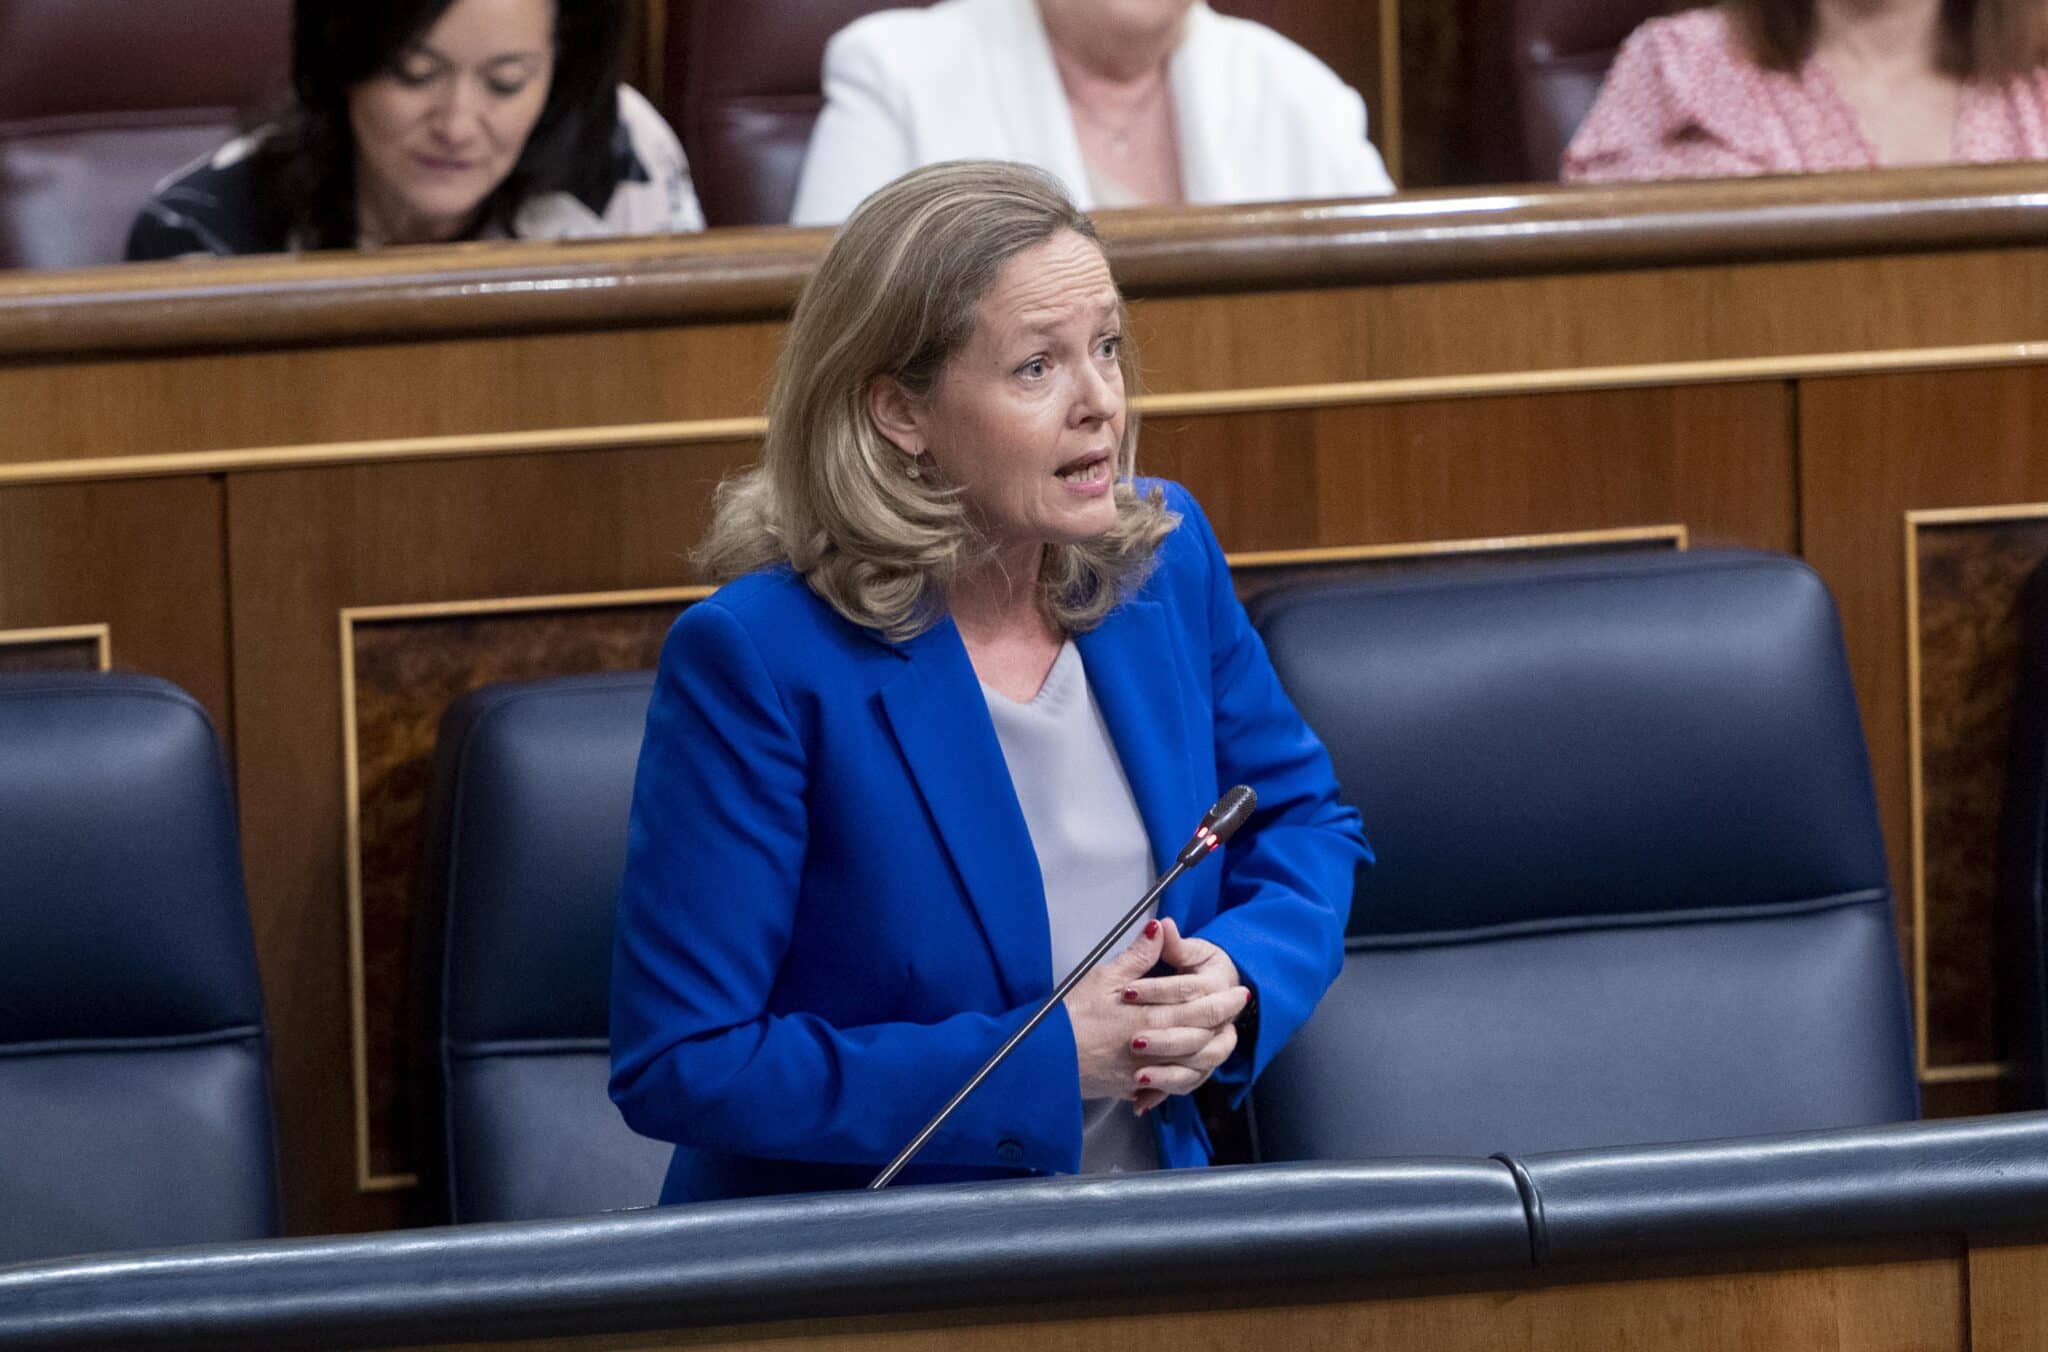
point(134, 1071)
point(527, 841)
point(1630, 887)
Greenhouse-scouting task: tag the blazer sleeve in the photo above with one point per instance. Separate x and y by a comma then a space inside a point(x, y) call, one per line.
point(862, 139)
point(1359, 170)
point(1289, 873)
point(715, 869)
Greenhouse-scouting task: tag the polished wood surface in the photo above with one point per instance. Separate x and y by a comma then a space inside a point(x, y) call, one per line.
point(218, 460)
point(2007, 1279)
point(579, 285)
point(77, 555)
point(1923, 1295)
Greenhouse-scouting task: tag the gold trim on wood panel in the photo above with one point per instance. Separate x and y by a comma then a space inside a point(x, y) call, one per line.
point(319, 455)
point(1967, 1072)
point(1973, 1071)
point(1277, 398)
point(101, 634)
point(1677, 534)
point(359, 1060)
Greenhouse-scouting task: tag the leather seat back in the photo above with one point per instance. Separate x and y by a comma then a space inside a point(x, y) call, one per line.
point(102, 99)
point(744, 79)
point(134, 1072)
point(533, 781)
point(1630, 886)
point(1562, 49)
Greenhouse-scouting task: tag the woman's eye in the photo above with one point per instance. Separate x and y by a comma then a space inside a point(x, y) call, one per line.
point(1112, 345)
point(505, 89)
point(413, 75)
point(1033, 369)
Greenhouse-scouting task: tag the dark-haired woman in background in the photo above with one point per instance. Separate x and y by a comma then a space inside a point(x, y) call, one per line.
point(424, 121)
point(1802, 86)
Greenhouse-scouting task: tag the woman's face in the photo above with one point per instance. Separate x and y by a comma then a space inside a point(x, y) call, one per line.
point(1028, 416)
point(443, 126)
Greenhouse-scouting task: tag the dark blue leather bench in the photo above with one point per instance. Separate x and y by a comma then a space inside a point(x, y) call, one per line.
point(527, 839)
point(1630, 884)
point(134, 1072)
point(1214, 1236)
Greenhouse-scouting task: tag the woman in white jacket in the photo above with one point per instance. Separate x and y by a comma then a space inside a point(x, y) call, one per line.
point(1129, 102)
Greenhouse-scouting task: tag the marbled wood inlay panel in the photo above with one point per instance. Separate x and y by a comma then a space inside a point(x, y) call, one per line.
point(1254, 579)
point(60, 654)
point(1970, 577)
point(408, 671)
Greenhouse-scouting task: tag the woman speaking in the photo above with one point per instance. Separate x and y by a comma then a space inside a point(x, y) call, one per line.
point(969, 684)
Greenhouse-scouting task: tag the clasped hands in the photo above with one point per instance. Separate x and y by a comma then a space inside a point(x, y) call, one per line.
point(1143, 1038)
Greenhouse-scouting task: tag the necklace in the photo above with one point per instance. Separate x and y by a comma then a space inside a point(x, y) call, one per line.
point(1086, 97)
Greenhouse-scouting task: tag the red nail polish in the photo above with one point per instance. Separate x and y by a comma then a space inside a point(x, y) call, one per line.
point(1151, 929)
point(1130, 996)
point(1137, 1044)
point(1144, 1079)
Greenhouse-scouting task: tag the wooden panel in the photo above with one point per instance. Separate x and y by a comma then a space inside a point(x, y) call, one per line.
point(404, 670)
point(2007, 1310)
point(1907, 1298)
point(1717, 459)
point(144, 559)
point(1603, 320)
point(380, 536)
point(1872, 450)
point(121, 407)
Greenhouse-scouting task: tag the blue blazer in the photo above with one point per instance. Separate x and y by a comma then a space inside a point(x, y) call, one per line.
point(832, 914)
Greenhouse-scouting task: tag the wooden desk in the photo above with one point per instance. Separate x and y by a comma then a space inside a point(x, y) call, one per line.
point(327, 495)
point(1933, 1295)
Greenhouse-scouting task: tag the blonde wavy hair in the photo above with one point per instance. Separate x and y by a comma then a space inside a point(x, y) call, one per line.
point(898, 294)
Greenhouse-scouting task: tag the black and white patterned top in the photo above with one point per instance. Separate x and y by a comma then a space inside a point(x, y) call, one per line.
point(216, 205)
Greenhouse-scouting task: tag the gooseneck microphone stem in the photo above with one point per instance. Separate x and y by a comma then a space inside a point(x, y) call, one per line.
point(1218, 825)
point(1059, 993)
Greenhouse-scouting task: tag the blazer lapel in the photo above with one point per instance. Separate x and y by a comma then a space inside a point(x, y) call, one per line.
point(941, 723)
point(1212, 152)
point(1030, 101)
point(1131, 662)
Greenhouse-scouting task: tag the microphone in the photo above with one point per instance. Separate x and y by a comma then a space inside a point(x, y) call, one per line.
point(1218, 824)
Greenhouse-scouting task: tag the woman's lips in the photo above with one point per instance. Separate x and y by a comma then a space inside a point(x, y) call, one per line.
point(1090, 474)
point(440, 164)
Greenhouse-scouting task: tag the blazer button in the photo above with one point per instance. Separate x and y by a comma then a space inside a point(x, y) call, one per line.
point(1010, 1151)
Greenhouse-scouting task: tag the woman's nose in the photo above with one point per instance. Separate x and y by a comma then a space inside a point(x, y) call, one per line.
point(1100, 396)
point(456, 112)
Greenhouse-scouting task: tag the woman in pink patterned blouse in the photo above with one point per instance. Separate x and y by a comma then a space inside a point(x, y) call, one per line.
point(1802, 86)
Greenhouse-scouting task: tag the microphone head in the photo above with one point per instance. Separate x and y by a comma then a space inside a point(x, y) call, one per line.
point(1232, 810)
